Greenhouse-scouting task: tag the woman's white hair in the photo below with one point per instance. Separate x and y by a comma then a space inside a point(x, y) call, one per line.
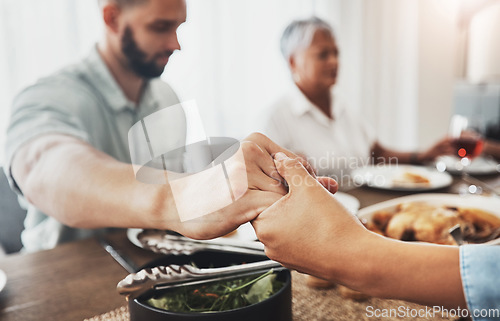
point(122, 3)
point(299, 34)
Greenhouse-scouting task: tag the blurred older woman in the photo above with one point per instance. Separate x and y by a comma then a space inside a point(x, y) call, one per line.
point(313, 120)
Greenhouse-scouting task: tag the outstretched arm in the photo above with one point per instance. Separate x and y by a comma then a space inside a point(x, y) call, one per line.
point(442, 147)
point(82, 187)
point(308, 230)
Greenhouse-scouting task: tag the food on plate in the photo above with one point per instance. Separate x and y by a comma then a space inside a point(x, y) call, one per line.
point(407, 178)
point(219, 296)
point(420, 221)
point(486, 226)
point(426, 222)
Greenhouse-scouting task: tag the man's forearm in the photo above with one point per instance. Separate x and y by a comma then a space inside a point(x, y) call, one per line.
point(85, 188)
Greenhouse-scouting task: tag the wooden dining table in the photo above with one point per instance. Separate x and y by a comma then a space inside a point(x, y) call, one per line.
point(77, 280)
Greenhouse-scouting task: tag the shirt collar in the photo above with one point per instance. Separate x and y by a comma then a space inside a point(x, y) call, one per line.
point(149, 97)
point(302, 105)
point(109, 88)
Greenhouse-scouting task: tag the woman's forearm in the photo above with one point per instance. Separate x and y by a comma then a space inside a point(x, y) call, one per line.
point(418, 272)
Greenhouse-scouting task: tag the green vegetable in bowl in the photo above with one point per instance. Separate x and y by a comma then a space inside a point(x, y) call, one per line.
point(219, 296)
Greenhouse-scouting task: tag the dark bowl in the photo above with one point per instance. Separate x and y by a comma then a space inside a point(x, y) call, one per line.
point(276, 308)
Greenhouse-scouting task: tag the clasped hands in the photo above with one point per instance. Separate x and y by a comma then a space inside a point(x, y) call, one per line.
point(292, 211)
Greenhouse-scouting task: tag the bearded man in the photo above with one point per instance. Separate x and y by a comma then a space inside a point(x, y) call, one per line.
point(67, 153)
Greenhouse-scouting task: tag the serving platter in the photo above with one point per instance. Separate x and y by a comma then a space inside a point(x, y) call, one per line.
point(244, 233)
point(436, 217)
point(490, 204)
point(168, 242)
point(391, 177)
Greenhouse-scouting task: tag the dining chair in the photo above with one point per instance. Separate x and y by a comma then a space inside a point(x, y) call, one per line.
point(11, 217)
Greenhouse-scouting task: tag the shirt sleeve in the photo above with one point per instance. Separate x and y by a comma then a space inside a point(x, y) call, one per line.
point(43, 109)
point(480, 271)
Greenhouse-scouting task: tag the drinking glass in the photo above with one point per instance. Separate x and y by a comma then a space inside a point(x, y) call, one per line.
point(467, 137)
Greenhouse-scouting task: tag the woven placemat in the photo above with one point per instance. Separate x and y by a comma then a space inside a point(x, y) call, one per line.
point(311, 304)
point(120, 314)
point(327, 304)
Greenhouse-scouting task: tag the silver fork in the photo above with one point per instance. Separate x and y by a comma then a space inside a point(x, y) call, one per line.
point(456, 233)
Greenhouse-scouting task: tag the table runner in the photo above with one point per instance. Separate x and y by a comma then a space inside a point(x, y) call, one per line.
point(324, 305)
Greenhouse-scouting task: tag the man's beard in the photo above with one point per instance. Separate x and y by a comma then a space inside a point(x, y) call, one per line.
point(137, 58)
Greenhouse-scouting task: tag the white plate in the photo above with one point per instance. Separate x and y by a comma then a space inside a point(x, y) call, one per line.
point(350, 202)
point(244, 233)
point(490, 204)
point(387, 176)
point(3, 280)
point(478, 166)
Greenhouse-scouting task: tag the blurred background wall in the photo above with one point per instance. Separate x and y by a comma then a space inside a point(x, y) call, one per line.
point(400, 61)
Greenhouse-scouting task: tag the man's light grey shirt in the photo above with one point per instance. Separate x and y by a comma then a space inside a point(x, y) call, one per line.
point(84, 101)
